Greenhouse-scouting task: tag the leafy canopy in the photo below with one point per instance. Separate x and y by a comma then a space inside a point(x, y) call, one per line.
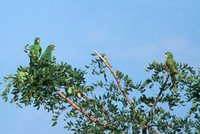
point(109, 101)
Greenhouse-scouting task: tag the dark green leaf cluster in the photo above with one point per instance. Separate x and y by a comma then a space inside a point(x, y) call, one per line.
point(36, 86)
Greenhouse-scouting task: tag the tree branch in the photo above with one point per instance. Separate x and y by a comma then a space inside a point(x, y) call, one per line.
point(86, 98)
point(116, 79)
point(73, 104)
point(103, 110)
point(124, 93)
point(154, 105)
point(159, 94)
point(93, 119)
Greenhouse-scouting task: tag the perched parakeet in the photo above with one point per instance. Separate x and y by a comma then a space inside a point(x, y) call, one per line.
point(35, 52)
point(170, 65)
point(47, 55)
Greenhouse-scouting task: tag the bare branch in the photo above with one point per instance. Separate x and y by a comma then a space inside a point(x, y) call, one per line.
point(116, 79)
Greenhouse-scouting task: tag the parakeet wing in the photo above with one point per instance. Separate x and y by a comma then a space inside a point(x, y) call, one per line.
point(47, 55)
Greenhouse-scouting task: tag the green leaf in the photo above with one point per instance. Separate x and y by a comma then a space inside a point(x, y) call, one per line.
point(54, 123)
point(69, 91)
point(151, 85)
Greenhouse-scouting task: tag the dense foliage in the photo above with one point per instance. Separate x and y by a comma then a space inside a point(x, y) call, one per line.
point(99, 105)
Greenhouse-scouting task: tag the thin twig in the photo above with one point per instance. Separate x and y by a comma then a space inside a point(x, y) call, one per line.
point(87, 98)
point(116, 79)
point(159, 94)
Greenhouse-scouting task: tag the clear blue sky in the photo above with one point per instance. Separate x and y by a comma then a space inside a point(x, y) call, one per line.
point(131, 32)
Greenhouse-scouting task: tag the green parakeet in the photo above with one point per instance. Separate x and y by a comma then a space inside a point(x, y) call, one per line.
point(47, 55)
point(35, 52)
point(170, 65)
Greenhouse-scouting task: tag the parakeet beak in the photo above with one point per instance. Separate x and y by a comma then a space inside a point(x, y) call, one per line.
point(166, 55)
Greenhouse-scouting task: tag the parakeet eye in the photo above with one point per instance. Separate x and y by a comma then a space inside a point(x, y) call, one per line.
point(52, 47)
